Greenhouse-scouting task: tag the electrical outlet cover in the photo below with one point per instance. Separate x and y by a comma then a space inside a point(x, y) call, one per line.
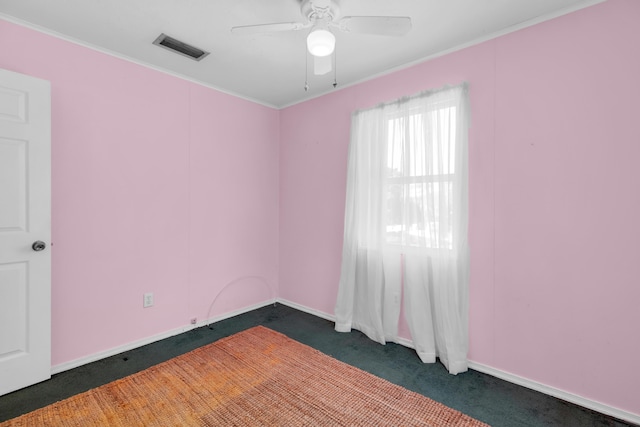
point(148, 300)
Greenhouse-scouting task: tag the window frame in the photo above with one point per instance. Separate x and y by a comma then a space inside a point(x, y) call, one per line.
point(424, 180)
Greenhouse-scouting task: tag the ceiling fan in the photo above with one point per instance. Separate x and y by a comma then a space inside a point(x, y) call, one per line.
point(322, 17)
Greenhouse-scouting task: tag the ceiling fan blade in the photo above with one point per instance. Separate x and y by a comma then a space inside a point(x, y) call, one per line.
point(322, 64)
point(268, 28)
point(378, 25)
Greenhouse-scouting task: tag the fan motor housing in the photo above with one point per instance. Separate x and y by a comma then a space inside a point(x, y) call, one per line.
point(320, 9)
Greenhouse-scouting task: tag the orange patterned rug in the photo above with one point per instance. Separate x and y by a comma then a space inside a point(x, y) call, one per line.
point(258, 377)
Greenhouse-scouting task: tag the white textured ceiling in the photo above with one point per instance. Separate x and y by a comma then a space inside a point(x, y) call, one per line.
point(270, 68)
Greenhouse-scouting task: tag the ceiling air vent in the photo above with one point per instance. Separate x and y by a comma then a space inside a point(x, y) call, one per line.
point(182, 48)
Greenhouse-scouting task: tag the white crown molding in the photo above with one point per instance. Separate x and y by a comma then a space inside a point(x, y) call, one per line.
point(476, 41)
point(108, 52)
point(520, 26)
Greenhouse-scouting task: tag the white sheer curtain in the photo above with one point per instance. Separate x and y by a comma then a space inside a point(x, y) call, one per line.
point(405, 237)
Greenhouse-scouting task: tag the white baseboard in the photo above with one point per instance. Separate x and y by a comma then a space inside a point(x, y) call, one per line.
point(234, 313)
point(306, 309)
point(402, 341)
point(560, 394)
point(515, 379)
point(524, 382)
point(139, 343)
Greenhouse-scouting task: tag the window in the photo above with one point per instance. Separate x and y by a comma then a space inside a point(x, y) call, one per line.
point(420, 168)
point(406, 220)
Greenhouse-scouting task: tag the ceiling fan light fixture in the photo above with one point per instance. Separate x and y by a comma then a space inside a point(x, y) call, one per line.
point(321, 42)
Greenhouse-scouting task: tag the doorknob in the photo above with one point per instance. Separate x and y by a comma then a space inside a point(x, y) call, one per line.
point(38, 245)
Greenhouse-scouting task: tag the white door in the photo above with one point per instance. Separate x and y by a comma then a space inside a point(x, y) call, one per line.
point(25, 218)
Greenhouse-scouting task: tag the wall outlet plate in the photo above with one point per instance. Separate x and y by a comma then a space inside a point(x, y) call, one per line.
point(147, 300)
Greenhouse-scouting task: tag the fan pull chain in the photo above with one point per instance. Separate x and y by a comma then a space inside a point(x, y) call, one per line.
point(335, 66)
point(306, 69)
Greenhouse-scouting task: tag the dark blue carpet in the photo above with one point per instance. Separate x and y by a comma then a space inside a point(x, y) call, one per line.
point(481, 396)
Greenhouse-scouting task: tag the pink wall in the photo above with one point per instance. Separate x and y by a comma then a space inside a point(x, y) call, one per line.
point(158, 186)
point(554, 200)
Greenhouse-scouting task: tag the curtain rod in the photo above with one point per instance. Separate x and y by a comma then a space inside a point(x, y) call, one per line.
point(425, 93)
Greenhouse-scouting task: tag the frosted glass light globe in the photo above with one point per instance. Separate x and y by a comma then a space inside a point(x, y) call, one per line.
point(321, 43)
